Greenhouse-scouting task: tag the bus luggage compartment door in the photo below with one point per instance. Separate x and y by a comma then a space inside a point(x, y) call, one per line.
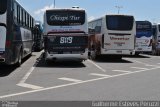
point(2, 41)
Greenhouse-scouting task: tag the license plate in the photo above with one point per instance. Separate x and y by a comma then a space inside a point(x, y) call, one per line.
point(66, 40)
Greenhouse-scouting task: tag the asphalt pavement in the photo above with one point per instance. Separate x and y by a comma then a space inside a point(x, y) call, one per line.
point(129, 79)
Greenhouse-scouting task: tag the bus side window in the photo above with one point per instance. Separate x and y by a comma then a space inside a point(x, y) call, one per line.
point(98, 29)
point(91, 31)
point(15, 12)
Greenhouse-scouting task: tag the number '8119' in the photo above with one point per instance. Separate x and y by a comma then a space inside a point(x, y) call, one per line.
point(64, 40)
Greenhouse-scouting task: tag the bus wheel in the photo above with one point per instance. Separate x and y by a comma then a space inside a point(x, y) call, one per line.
point(19, 59)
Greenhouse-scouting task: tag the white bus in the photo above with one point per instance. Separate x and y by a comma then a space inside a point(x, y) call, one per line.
point(156, 39)
point(143, 37)
point(16, 36)
point(66, 34)
point(113, 35)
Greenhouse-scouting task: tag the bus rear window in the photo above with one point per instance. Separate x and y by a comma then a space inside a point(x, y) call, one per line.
point(65, 17)
point(119, 22)
point(3, 6)
point(143, 26)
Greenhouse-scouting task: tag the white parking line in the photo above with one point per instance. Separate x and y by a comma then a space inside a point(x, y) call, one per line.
point(102, 75)
point(29, 86)
point(122, 71)
point(23, 80)
point(146, 64)
point(140, 68)
point(97, 66)
point(151, 56)
point(27, 75)
point(70, 79)
point(71, 84)
point(152, 65)
point(136, 61)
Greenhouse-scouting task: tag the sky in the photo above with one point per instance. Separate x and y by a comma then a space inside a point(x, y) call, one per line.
point(140, 9)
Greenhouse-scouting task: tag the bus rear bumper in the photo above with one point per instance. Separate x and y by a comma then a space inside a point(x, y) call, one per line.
point(118, 52)
point(66, 57)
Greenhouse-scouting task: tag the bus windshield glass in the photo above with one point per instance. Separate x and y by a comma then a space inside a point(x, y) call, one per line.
point(121, 23)
point(65, 17)
point(3, 6)
point(143, 27)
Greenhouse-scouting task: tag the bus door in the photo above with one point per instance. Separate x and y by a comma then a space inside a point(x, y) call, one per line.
point(2, 40)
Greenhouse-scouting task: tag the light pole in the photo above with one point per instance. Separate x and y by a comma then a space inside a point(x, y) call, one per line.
point(119, 7)
point(54, 3)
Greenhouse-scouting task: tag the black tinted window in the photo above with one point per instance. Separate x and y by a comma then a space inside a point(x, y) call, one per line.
point(65, 17)
point(143, 26)
point(3, 6)
point(119, 22)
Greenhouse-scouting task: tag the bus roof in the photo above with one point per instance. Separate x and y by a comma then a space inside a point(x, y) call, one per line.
point(146, 21)
point(142, 21)
point(110, 15)
point(23, 8)
point(156, 23)
point(65, 9)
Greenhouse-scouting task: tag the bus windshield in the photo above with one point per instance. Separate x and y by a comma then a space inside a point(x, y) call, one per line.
point(143, 27)
point(65, 17)
point(3, 6)
point(119, 22)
